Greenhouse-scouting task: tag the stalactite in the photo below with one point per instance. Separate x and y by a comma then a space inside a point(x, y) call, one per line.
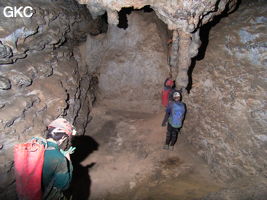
point(195, 44)
point(184, 47)
point(113, 17)
point(184, 60)
point(173, 54)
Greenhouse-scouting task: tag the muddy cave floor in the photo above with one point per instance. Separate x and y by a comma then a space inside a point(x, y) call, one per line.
point(122, 158)
point(125, 160)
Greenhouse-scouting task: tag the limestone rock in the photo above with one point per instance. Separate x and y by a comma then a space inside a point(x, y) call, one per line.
point(4, 83)
point(186, 15)
point(21, 80)
point(226, 118)
point(46, 79)
point(131, 63)
point(48, 28)
point(5, 54)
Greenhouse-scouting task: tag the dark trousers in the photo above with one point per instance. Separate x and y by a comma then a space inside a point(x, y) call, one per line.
point(171, 135)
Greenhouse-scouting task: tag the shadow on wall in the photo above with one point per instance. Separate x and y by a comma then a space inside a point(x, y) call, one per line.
point(81, 181)
point(123, 21)
point(204, 37)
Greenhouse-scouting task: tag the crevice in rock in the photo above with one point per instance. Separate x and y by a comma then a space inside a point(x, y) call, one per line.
point(204, 37)
point(123, 22)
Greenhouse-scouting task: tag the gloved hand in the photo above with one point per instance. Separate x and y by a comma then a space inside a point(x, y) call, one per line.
point(69, 151)
point(163, 124)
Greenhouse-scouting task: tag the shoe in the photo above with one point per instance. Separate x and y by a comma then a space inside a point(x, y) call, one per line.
point(171, 148)
point(166, 146)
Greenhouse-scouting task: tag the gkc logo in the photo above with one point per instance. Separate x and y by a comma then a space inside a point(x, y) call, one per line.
point(21, 11)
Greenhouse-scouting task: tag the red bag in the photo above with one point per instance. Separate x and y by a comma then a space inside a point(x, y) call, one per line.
point(29, 159)
point(165, 97)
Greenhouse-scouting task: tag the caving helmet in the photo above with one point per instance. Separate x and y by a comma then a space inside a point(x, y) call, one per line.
point(169, 83)
point(62, 125)
point(176, 94)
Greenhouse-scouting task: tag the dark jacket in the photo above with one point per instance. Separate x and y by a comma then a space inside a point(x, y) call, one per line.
point(57, 172)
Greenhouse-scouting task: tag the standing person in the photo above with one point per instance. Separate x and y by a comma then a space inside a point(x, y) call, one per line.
point(57, 168)
point(167, 90)
point(175, 112)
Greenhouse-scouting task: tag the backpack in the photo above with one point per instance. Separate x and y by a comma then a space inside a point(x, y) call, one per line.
point(165, 96)
point(29, 159)
point(167, 90)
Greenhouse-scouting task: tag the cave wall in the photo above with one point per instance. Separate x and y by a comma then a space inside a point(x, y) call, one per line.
point(226, 118)
point(41, 77)
point(184, 17)
point(131, 63)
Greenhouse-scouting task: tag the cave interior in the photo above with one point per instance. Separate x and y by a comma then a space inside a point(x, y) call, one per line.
point(101, 64)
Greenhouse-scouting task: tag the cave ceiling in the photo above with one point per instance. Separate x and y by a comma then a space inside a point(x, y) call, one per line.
point(186, 15)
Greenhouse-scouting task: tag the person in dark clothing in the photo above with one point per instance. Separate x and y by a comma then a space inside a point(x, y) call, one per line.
point(57, 168)
point(174, 115)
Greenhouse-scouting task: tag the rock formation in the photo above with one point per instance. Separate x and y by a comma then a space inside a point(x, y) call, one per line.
point(131, 63)
point(182, 16)
point(227, 118)
point(39, 78)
